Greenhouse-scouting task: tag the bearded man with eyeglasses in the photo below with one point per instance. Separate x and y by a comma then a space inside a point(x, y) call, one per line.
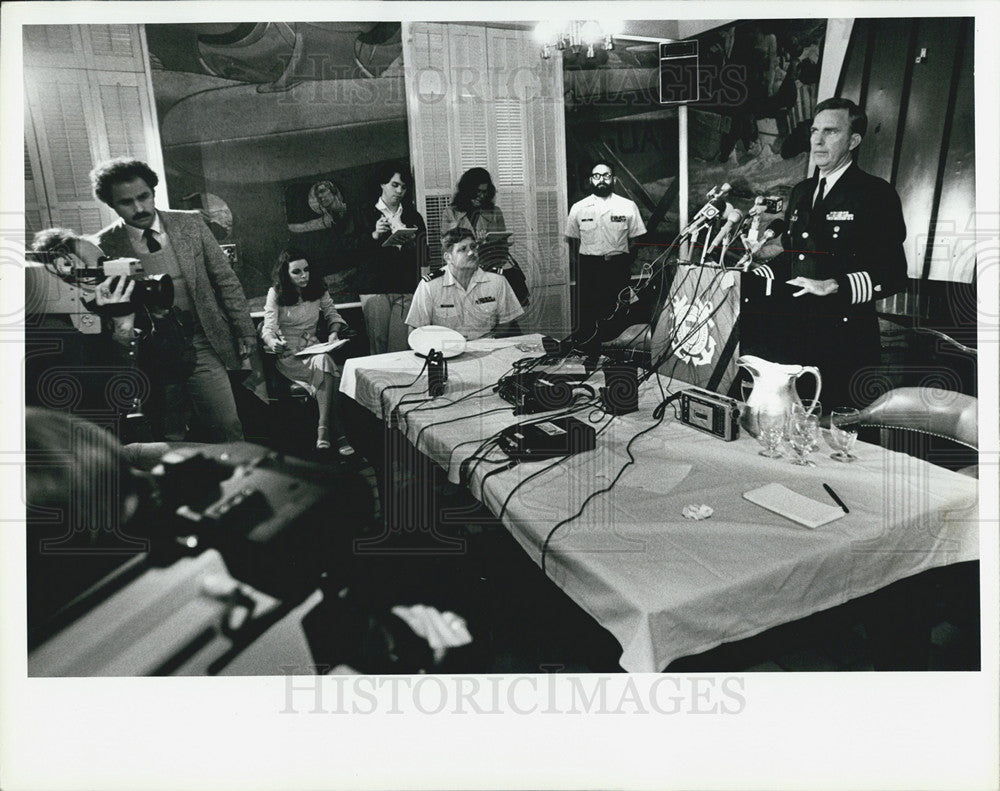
point(600, 231)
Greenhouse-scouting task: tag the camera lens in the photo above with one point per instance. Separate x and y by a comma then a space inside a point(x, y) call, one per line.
point(155, 292)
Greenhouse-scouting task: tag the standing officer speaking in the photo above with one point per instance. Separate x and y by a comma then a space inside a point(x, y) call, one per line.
point(843, 251)
point(599, 231)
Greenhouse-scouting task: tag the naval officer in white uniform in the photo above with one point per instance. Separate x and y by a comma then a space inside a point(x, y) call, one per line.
point(464, 297)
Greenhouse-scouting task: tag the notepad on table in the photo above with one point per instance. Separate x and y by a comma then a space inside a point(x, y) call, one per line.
point(792, 505)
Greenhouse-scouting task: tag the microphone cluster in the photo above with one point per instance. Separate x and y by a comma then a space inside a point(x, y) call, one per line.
point(774, 229)
point(729, 223)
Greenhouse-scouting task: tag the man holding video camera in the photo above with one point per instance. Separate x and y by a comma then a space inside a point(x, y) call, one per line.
point(139, 317)
point(206, 290)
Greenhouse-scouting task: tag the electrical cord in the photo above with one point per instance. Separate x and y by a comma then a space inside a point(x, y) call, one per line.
point(416, 441)
point(381, 395)
point(630, 462)
point(482, 484)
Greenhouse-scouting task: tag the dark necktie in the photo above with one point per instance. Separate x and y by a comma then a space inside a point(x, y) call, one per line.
point(819, 194)
point(151, 244)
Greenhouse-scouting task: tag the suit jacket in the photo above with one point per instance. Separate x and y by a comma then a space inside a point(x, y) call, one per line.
point(854, 236)
point(216, 293)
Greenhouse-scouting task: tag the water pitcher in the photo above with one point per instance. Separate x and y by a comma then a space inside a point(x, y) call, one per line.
point(773, 389)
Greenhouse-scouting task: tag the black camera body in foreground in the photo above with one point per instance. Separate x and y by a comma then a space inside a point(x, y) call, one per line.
point(236, 537)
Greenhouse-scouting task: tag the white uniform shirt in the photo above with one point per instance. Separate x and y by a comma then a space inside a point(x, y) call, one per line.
point(604, 225)
point(474, 312)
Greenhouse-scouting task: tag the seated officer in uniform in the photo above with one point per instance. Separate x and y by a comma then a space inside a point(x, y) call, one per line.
point(462, 296)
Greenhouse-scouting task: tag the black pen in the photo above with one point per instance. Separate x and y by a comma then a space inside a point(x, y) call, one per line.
point(836, 499)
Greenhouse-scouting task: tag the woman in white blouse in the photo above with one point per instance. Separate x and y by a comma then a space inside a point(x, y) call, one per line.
point(291, 316)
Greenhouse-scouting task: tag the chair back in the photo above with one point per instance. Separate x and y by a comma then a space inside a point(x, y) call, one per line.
point(930, 424)
point(940, 413)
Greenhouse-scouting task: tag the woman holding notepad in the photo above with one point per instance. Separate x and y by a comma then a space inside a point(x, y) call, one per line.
point(393, 247)
point(291, 316)
point(472, 206)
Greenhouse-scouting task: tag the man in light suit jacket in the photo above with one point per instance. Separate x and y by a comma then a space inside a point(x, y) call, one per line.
point(207, 290)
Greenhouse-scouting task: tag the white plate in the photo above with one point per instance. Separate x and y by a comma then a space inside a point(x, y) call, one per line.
point(442, 339)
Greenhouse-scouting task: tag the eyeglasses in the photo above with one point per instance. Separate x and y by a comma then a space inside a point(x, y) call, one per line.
point(601, 177)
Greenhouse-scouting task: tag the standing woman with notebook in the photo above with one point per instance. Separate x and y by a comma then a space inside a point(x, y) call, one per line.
point(291, 317)
point(392, 247)
point(472, 206)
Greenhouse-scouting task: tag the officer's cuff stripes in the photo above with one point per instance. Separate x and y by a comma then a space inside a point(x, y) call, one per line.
point(861, 287)
point(764, 271)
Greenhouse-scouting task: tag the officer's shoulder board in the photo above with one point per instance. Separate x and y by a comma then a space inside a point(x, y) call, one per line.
point(433, 275)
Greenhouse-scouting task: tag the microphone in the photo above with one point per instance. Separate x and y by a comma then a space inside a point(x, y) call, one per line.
point(759, 206)
point(733, 218)
point(774, 228)
point(706, 214)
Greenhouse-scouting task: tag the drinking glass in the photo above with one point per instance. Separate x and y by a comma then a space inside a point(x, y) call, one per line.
point(803, 433)
point(844, 423)
point(770, 429)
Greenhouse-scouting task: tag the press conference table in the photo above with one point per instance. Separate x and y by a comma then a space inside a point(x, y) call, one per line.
point(663, 585)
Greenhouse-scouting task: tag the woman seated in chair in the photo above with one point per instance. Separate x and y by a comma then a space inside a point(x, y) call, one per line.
point(291, 317)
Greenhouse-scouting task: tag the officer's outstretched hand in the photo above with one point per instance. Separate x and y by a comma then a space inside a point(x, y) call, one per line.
point(806, 285)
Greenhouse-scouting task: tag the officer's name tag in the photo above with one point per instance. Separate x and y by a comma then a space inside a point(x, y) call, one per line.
point(482, 300)
point(618, 218)
point(446, 306)
point(839, 216)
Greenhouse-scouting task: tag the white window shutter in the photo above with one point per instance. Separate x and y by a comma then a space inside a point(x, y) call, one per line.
point(501, 108)
point(427, 87)
point(88, 98)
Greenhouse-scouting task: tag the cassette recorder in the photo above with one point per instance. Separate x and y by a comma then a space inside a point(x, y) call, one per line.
point(710, 412)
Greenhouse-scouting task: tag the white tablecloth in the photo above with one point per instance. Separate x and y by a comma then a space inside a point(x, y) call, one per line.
point(663, 585)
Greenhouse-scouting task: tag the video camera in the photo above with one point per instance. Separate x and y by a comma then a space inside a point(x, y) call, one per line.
point(219, 518)
point(155, 292)
point(51, 289)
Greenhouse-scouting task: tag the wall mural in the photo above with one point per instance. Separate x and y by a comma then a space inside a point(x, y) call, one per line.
point(753, 130)
point(255, 117)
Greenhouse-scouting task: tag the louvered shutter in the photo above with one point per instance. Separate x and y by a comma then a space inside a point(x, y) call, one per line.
point(88, 98)
point(486, 95)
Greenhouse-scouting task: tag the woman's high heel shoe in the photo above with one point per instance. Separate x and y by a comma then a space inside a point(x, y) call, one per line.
point(322, 438)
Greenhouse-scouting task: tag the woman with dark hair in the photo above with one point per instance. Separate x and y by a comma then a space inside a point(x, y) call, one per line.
point(472, 206)
point(291, 316)
point(389, 274)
